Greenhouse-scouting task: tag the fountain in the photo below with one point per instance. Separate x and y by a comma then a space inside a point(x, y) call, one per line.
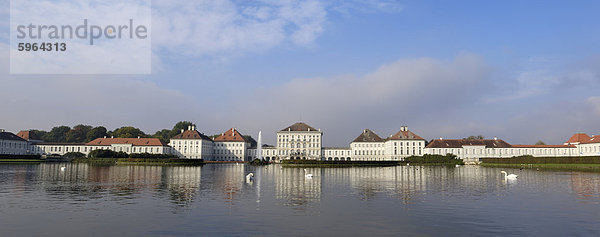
point(259, 147)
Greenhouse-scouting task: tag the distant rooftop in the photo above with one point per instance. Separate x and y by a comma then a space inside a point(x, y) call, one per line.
point(368, 136)
point(10, 136)
point(578, 138)
point(28, 135)
point(231, 135)
point(132, 141)
point(191, 134)
point(459, 143)
point(300, 126)
point(405, 134)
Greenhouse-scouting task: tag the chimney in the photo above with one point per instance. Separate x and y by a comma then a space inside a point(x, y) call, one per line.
point(289, 129)
point(495, 138)
point(193, 127)
point(138, 137)
point(104, 136)
point(189, 127)
point(112, 136)
point(441, 139)
point(182, 130)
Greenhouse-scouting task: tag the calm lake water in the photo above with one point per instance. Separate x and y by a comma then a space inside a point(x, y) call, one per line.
point(215, 200)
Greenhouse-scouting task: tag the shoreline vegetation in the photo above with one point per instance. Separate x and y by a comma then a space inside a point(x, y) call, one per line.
point(108, 157)
point(588, 163)
point(138, 161)
point(425, 160)
point(556, 167)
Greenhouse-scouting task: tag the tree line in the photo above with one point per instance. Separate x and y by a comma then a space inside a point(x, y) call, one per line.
point(85, 133)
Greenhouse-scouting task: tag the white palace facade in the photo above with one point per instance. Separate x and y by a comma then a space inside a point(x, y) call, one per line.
point(471, 150)
point(300, 141)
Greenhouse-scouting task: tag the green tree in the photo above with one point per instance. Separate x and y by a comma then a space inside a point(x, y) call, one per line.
point(128, 132)
point(101, 153)
point(57, 134)
point(78, 133)
point(540, 142)
point(39, 133)
point(178, 126)
point(96, 132)
point(478, 137)
point(71, 155)
point(163, 135)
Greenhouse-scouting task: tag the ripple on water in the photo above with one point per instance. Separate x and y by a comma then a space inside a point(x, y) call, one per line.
point(215, 200)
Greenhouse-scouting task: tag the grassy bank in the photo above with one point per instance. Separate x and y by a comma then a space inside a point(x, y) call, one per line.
point(139, 161)
point(448, 159)
point(543, 160)
point(563, 167)
point(588, 163)
point(21, 160)
point(5, 158)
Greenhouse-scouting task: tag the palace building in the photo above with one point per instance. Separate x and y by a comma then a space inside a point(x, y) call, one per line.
point(127, 145)
point(301, 141)
point(12, 144)
point(192, 144)
point(470, 150)
point(231, 146)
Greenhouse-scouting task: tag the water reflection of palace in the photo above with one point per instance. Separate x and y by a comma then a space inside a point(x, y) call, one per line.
point(586, 186)
point(180, 183)
point(226, 179)
point(183, 182)
point(292, 185)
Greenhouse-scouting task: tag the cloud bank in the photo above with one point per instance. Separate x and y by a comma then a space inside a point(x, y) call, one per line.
point(395, 94)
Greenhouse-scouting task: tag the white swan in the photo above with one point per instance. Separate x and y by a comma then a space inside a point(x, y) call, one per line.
point(307, 175)
point(249, 177)
point(508, 176)
point(63, 168)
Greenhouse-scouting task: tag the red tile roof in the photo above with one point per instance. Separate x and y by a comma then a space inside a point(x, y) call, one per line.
point(191, 134)
point(368, 136)
point(594, 139)
point(61, 143)
point(459, 143)
point(543, 146)
point(579, 138)
point(405, 135)
point(231, 135)
point(132, 141)
point(299, 127)
point(28, 135)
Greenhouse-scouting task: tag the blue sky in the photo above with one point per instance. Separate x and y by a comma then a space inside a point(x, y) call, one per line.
point(519, 70)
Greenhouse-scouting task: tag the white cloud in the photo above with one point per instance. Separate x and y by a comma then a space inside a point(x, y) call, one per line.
point(202, 28)
point(347, 6)
point(542, 76)
point(105, 56)
point(387, 98)
point(224, 27)
point(44, 101)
